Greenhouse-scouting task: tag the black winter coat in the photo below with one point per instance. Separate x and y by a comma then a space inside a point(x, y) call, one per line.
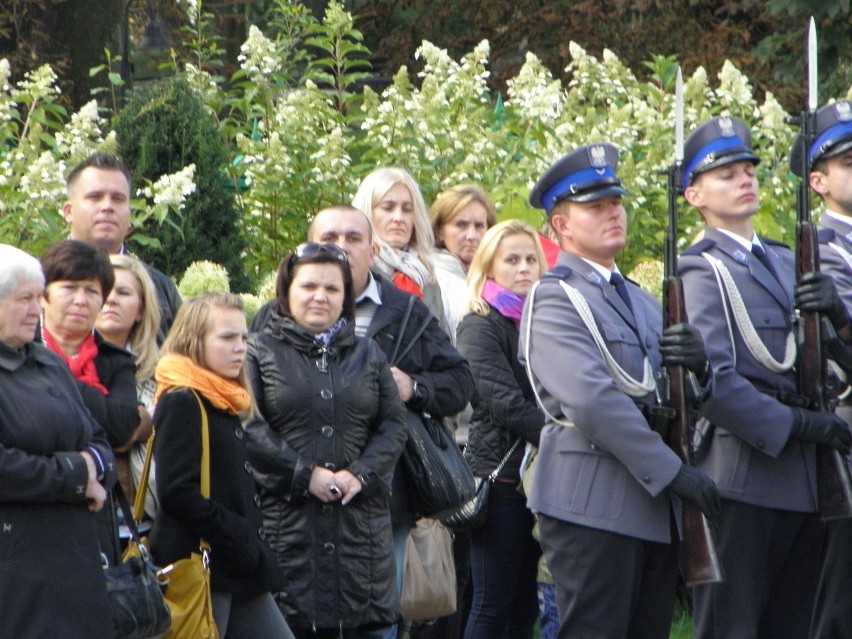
point(440, 370)
point(51, 580)
point(118, 415)
point(230, 521)
point(337, 407)
point(504, 406)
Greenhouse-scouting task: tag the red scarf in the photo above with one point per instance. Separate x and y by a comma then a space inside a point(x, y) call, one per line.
point(405, 283)
point(83, 366)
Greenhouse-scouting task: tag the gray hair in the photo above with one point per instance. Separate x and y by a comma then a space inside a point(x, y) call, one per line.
point(17, 267)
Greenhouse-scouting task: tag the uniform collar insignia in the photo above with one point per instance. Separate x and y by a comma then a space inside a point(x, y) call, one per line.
point(739, 256)
point(592, 276)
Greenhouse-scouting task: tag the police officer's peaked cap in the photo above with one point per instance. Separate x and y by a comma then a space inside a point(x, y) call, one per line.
point(720, 141)
point(583, 175)
point(833, 136)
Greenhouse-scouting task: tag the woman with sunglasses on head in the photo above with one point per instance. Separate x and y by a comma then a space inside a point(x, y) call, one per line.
point(324, 442)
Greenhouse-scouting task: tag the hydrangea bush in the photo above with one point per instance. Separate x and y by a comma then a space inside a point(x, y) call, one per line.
point(301, 134)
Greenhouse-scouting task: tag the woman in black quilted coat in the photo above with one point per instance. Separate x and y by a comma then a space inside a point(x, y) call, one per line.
point(329, 430)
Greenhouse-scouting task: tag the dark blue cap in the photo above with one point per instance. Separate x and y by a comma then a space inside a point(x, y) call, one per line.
point(720, 141)
point(583, 175)
point(833, 136)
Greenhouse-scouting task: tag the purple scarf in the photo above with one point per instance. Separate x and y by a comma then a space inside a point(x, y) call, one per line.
point(508, 303)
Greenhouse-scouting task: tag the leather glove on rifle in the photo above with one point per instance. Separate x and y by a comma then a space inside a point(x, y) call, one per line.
point(816, 293)
point(681, 345)
point(693, 485)
point(821, 427)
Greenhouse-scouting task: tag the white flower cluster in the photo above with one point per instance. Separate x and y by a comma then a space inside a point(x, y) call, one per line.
point(258, 57)
point(172, 189)
point(534, 93)
point(80, 132)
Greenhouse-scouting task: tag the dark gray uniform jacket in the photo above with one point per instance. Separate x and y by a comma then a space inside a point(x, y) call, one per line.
point(609, 471)
point(749, 456)
point(337, 407)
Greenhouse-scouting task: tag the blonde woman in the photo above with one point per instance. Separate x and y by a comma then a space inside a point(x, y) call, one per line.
point(130, 319)
point(205, 354)
point(504, 554)
point(392, 200)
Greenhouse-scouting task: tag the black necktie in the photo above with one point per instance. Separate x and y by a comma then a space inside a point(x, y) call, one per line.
point(759, 252)
point(621, 288)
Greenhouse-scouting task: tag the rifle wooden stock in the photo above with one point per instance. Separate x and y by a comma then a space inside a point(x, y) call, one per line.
point(834, 486)
point(699, 558)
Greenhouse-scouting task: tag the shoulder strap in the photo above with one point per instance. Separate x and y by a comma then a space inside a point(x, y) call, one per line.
point(420, 330)
point(393, 359)
point(142, 491)
point(205, 458)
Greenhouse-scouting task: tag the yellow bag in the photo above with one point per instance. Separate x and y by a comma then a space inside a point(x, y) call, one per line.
point(188, 597)
point(188, 592)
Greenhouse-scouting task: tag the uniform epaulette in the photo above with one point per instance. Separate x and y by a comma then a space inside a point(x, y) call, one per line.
point(699, 247)
point(559, 272)
point(774, 243)
point(825, 235)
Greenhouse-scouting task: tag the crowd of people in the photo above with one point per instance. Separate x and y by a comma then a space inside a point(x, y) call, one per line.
point(548, 370)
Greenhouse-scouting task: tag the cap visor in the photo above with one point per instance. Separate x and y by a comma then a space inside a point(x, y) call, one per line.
point(598, 194)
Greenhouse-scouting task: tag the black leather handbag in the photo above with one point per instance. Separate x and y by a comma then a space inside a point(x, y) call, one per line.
point(437, 476)
point(473, 513)
point(135, 594)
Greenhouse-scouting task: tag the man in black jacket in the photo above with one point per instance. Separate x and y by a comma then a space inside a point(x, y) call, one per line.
point(98, 214)
point(432, 377)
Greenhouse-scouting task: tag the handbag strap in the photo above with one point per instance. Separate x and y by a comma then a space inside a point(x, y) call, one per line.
point(205, 457)
point(393, 359)
point(121, 498)
point(493, 476)
point(420, 330)
point(142, 491)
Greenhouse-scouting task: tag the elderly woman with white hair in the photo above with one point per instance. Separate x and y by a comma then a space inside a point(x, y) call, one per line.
point(56, 467)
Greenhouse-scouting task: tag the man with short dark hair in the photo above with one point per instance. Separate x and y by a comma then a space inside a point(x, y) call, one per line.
point(607, 487)
point(98, 214)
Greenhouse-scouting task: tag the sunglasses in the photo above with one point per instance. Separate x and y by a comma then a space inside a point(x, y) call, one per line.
point(312, 250)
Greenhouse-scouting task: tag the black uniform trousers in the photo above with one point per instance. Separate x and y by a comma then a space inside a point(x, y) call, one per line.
point(609, 585)
point(771, 560)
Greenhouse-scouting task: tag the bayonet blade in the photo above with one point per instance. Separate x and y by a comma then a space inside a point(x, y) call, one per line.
point(812, 67)
point(679, 117)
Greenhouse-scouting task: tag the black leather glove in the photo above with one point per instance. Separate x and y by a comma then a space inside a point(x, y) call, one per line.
point(693, 485)
point(681, 345)
point(816, 293)
point(822, 428)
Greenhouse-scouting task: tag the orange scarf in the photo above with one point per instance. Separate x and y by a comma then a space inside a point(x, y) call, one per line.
point(178, 371)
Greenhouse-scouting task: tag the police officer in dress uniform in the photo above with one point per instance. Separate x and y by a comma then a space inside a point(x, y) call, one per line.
point(761, 442)
point(830, 165)
point(607, 488)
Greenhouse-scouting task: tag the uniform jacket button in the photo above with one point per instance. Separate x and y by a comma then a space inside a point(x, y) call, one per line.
point(247, 466)
point(326, 393)
point(238, 432)
point(327, 432)
point(328, 548)
point(646, 479)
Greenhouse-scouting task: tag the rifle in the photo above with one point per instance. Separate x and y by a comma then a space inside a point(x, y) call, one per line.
point(699, 557)
point(834, 486)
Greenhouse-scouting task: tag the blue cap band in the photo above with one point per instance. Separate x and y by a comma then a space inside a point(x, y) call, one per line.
point(829, 138)
point(576, 183)
point(714, 148)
